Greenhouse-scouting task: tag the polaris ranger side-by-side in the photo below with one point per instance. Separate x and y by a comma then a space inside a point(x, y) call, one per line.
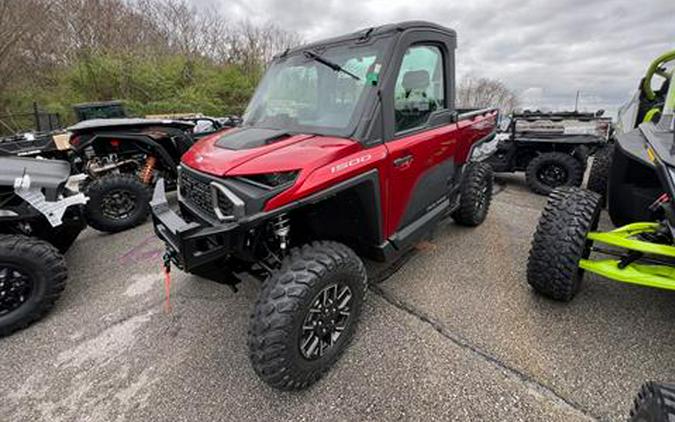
point(350, 148)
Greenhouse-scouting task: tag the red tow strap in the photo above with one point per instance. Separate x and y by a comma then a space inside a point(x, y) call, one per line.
point(167, 289)
point(166, 269)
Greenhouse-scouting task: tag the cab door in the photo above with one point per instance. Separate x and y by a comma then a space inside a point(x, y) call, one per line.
point(422, 138)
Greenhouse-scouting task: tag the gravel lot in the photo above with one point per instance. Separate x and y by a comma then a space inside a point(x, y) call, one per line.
point(456, 334)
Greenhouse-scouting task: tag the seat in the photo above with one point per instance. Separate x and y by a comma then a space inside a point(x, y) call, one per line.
point(414, 108)
point(416, 80)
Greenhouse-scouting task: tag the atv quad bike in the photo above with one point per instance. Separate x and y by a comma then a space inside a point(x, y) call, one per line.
point(350, 149)
point(122, 159)
point(39, 220)
point(645, 106)
point(640, 193)
point(551, 148)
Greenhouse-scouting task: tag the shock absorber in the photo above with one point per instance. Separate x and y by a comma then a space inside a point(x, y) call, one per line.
point(282, 228)
point(148, 168)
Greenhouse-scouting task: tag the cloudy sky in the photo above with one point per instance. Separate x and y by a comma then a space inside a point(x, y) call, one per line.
point(545, 50)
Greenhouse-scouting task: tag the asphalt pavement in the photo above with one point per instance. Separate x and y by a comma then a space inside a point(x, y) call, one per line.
point(454, 334)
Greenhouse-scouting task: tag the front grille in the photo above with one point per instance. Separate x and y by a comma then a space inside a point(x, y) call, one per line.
point(197, 193)
point(195, 190)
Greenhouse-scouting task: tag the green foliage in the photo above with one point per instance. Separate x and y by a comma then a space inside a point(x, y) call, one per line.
point(147, 85)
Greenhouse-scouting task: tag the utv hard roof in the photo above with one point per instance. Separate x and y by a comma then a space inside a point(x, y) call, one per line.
point(374, 31)
point(126, 123)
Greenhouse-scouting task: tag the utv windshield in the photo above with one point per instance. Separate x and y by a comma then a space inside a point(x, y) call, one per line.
point(319, 91)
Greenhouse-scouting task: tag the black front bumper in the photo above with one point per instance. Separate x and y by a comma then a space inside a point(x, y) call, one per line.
point(192, 245)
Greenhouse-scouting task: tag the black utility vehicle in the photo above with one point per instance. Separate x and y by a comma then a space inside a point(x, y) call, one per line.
point(39, 220)
point(551, 148)
point(122, 159)
point(124, 156)
point(50, 145)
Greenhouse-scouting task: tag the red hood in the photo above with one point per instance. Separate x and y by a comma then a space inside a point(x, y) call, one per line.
point(298, 152)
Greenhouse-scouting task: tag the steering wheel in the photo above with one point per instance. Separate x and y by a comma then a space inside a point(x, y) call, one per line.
point(655, 68)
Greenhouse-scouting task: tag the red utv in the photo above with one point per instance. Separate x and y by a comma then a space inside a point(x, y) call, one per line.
point(351, 148)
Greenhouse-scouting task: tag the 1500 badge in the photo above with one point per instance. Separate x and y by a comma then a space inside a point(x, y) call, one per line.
point(351, 163)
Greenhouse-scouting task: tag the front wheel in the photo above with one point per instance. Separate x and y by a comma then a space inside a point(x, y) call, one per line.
point(32, 276)
point(551, 170)
point(117, 202)
point(475, 195)
point(560, 242)
point(654, 403)
point(306, 314)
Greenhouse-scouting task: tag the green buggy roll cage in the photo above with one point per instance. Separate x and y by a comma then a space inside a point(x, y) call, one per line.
point(656, 68)
point(647, 263)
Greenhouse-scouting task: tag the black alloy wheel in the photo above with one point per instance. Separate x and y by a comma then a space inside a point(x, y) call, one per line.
point(326, 320)
point(118, 204)
point(15, 287)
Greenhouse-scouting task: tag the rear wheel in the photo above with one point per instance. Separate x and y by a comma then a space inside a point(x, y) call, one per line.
point(475, 195)
point(599, 174)
point(117, 202)
point(306, 314)
point(551, 170)
point(560, 242)
point(654, 403)
point(32, 276)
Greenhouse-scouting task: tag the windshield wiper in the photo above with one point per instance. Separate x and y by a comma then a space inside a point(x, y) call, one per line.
point(336, 67)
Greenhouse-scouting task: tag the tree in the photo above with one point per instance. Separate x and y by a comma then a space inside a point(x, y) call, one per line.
point(20, 23)
point(485, 92)
point(153, 54)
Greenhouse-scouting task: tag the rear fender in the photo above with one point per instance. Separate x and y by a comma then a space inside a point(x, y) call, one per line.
point(142, 142)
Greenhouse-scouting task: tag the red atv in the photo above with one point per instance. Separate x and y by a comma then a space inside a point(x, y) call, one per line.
point(350, 148)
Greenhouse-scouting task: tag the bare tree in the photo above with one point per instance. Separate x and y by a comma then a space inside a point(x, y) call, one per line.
point(19, 32)
point(206, 32)
point(252, 46)
point(91, 38)
point(185, 28)
point(484, 92)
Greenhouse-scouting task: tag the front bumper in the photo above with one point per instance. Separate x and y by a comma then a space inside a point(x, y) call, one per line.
point(191, 245)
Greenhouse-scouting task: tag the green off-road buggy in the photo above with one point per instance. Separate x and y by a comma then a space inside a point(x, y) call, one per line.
point(640, 195)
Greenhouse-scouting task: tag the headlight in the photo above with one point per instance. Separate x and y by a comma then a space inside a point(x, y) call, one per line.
point(273, 180)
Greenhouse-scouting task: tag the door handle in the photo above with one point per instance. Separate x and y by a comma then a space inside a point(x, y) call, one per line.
point(402, 161)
